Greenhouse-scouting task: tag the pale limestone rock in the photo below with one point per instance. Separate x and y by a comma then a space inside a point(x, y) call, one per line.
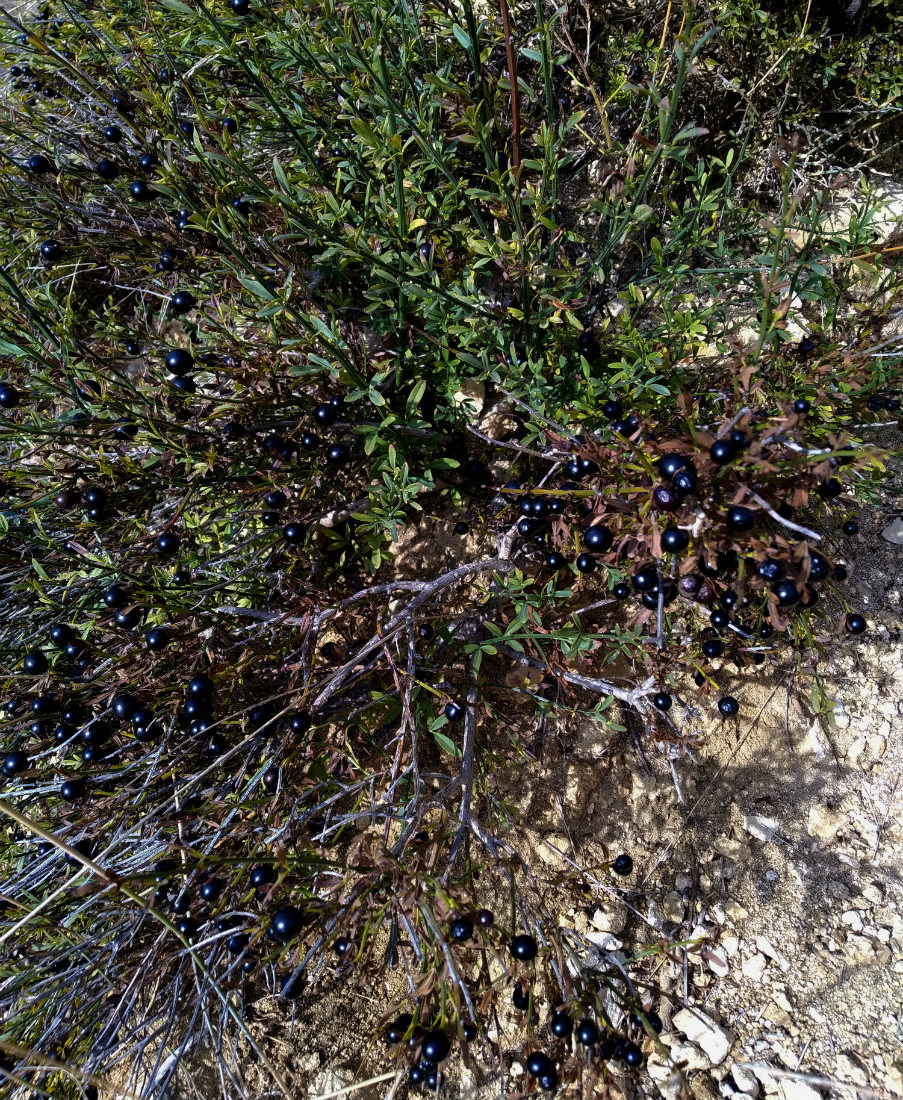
point(612, 921)
point(754, 967)
point(735, 911)
point(765, 946)
point(824, 823)
point(893, 532)
point(762, 828)
point(701, 1029)
point(470, 397)
point(744, 1080)
point(736, 850)
point(673, 907)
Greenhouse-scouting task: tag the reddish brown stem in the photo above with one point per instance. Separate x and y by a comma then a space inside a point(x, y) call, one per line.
point(515, 93)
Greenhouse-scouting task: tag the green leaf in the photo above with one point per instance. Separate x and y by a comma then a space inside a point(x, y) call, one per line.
point(444, 742)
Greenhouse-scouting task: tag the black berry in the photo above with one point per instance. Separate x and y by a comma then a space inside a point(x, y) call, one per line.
point(728, 706)
point(286, 923)
point(561, 1025)
point(587, 1032)
point(855, 623)
point(623, 864)
point(675, 539)
point(461, 929)
point(524, 947)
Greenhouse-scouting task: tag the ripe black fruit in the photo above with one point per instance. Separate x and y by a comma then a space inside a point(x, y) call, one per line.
point(72, 790)
point(720, 618)
point(485, 918)
point(684, 481)
point(561, 1025)
point(524, 947)
point(201, 685)
point(586, 563)
point(158, 638)
point(397, 1030)
point(325, 415)
point(461, 527)
point(587, 1032)
point(770, 569)
point(293, 533)
point(114, 596)
point(275, 499)
point(188, 927)
point(740, 519)
point(856, 623)
point(182, 301)
point(850, 527)
point(669, 464)
point(623, 864)
point(728, 706)
point(621, 590)
point(525, 527)
point(469, 1031)
point(539, 1064)
point(548, 1082)
point(211, 889)
point(338, 454)
point(675, 539)
point(454, 712)
point(555, 561)
point(112, 133)
point(645, 579)
point(38, 164)
point(286, 923)
point(15, 762)
point(229, 125)
point(461, 929)
point(124, 706)
point(141, 191)
point(598, 539)
point(662, 700)
point(632, 1055)
point(179, 362)
point(168, 543)
point(240, 7)
point(712, 648)
point(128, 619)
point(147, 161)
point(9, 396)
point(435, 1046)
point(51, 251)
point(722, 451)
point(829, 489)
point(819, 567)
point(801, 405)
point(107, 169)
point(34, 663)
point(787, 593)
point(262, 875)
point(520, 998)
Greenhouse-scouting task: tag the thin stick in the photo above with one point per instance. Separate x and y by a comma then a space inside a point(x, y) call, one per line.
point(798, 527)
point(356, 1085)
point(632, 697)
point(427, 592)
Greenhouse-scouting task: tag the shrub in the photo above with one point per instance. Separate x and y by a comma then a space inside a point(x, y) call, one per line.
point(262, 268)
